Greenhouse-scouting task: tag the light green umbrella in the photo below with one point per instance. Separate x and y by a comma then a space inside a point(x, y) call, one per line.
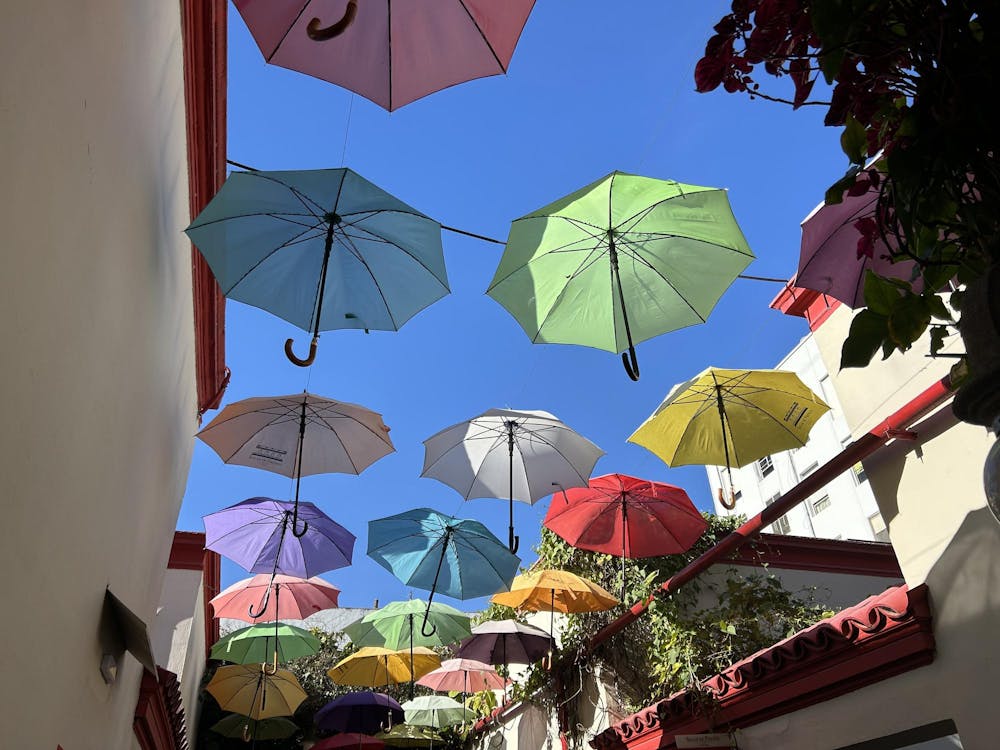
point(620, 261)
point(436, 711)
point(256, 644)
point(401, 625)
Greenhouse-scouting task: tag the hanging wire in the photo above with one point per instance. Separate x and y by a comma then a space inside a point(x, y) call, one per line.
point(347, 129)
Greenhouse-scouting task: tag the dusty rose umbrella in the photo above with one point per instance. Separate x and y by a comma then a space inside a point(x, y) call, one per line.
point(829, 257)
point(465, 675)
point(391, 52)
point(295, 598)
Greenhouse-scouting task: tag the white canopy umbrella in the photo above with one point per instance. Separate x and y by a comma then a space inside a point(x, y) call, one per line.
point(520, 455)
point(297, 436)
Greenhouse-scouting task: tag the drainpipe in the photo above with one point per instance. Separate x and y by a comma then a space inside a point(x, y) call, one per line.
point(894, 427)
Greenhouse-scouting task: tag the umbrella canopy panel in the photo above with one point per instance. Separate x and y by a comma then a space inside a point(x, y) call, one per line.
point(391, 52)
point(362, 711)
point(766, 411)
point(505, 642)
point(830, 257)
point(282, 241)
point(268, 433)
point(438, 553)
point(257, 535)
point(619, 261)
point(474, 457)
point(250, 691)
point(625, 516)
point(298, 598)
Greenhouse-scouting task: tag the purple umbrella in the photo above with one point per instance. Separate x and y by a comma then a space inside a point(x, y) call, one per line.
point(257, 534)
point(361, 711)
point(505, 642)
point(829, 258)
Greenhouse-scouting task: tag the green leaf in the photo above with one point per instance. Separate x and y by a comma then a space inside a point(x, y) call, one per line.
point(880, 294)
point(854, 141)
point(935, 277)
point(908, 321)
point(936, 307)
point(956, 299)
point(835, 193)
point(868, 331)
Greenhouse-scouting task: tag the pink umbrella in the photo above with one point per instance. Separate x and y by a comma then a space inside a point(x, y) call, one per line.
point(348, 741)
point(830, 257)
point(391, 52)
point(464, 675)
point(294, 598)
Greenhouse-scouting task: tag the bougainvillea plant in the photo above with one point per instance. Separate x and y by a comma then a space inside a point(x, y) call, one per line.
point(914, 86)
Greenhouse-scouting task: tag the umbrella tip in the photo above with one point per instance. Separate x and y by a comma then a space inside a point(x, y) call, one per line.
point(375, 605)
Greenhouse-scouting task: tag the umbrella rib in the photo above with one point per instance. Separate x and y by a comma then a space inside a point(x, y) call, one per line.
point(484, 557)
point(774, 419)
point(277, 215)
point(253, 435)
point(349, 243)
point(486, 41)
point(322, 419)
point(459, 444)
point(287, 243)
point(399, 247)
point(635, 254)
point(557, 249)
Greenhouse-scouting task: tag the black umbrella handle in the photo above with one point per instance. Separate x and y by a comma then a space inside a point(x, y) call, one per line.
point(318, 34)
point(630, 362)
point(628, 358)
point(444, 551)
point(513, 541)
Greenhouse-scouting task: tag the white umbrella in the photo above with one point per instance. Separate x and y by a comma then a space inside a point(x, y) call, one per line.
point(297, 436)
point(520, 455)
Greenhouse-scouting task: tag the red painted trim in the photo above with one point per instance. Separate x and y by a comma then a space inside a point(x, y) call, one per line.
point(814, 306)
point(203, 26)
point(849, 557)
point(187, 551)
point(159, 722)
point(881, 637)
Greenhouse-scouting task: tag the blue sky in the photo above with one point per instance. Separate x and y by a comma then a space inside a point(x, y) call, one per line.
point(589, 90)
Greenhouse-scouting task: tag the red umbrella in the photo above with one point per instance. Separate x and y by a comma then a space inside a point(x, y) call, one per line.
point(390, 52)
point(622, 515)
point(294, 598)
point(349, 741)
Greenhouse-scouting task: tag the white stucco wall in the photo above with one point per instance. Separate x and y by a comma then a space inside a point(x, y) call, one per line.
point(931, 496)
point(97, 336)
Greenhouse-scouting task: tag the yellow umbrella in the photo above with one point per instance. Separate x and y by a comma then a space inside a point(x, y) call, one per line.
point(555, 591)
point(247, 689)
point(373, 666)
point(731, 418)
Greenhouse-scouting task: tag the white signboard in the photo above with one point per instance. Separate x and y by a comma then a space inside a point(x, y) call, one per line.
point(717, 740)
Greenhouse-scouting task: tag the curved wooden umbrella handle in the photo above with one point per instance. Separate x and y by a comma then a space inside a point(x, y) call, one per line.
point(727, 504)
point(318, 34)
point(301, 362)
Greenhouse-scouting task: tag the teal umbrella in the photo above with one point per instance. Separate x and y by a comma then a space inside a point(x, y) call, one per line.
point(441, 554)
point(393, 627)
point(620, 261)
point(323, 249)
point(436, 711)
point(266, 642)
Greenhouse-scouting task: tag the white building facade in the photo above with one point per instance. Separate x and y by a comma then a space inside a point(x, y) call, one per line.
point(845, 508)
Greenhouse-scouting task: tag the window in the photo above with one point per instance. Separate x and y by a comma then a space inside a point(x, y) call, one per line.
point(765, 466)
point(821, 504)
point(860, 476)
point(782, 525)
point(878, 527)
point(809, 469)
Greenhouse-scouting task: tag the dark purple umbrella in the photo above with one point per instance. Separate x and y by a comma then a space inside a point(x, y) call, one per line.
point(831, 260)
point(257, 534)
point(505, 642)
point(362, 711)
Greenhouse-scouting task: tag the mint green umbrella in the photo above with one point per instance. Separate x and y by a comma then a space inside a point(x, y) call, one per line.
point(436, 711)
point(400, 625)
point(620, 261)
point(256, 644)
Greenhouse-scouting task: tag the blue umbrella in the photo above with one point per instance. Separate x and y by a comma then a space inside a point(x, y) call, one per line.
point(323, 249)
point(439, 553)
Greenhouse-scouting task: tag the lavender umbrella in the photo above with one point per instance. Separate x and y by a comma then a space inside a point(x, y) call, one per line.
point(362, 711)
point(505, 642)
point(829, 261)
point(257, 534)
